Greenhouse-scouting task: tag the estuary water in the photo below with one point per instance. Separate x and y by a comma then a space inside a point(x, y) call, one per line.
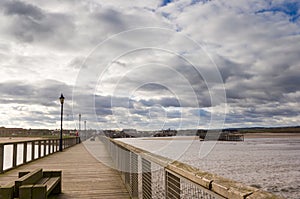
point(272, 164)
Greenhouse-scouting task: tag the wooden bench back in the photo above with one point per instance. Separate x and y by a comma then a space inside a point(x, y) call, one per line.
point(29, 178)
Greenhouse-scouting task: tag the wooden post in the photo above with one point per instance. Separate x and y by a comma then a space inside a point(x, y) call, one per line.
point(39, 149)
point(57, 145)
point(172, 185)
point(24, 152)
point(49, 146)
point(146, 179)
point(1, 157)
point(45, 147)
point(134, 175)
point(127, 167)
point(32, 150)
point(15, 152)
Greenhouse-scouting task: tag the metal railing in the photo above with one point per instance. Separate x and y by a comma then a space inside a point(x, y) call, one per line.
point(14, 154)
point(148, 175)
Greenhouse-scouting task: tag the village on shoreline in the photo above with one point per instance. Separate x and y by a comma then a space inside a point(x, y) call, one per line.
point(253, 132)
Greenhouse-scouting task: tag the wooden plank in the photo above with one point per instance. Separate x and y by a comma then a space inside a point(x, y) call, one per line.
point(83, 176)
point(52, 183)
point(52, 173)
point(7, 191)
point(25, 191)
point(39, 191)
point(1, 157)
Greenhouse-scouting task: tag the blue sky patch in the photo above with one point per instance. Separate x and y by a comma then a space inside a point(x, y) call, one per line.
point(166, 2)
point(288, 8)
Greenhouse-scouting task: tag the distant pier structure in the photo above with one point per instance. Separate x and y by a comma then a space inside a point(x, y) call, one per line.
point(224, 135)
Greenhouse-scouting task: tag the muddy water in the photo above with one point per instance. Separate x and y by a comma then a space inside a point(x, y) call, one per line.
point(272, 164)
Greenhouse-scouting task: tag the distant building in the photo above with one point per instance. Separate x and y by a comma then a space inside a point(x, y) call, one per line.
point(224, 135)
point(165, 133)
point(26, 132)
point(129, 132)
point(12, 131)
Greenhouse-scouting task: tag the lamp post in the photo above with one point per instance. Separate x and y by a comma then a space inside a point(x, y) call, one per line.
point(62, 98)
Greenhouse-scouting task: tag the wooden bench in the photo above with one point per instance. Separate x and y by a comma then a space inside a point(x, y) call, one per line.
point(37, 184)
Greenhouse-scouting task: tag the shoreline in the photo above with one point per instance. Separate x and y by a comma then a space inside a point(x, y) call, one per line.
point(271, 135)
point(246, 136)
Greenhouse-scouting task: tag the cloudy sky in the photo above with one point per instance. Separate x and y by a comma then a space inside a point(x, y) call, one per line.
point(150, 64)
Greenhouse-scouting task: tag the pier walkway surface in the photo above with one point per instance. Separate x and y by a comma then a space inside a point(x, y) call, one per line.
point(83, 176)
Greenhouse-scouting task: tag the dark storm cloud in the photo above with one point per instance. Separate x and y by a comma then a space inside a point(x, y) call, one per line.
point(44, 93)
point(229, 68)
point(32, 24)
point(22, 9)
point(103, 111)
point(111, 17)
point(113, 101)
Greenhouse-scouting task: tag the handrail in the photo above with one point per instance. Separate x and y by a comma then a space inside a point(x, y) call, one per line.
point(30, 150)
point(175, 174)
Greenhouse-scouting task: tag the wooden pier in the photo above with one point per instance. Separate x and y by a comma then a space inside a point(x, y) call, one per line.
point(83, 176)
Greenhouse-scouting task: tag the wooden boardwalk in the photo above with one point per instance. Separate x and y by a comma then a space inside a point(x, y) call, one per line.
point(84, 176)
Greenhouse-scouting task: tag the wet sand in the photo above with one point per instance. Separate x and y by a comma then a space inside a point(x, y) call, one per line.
point(173, 138)
point(271, 135)
point(270, 161)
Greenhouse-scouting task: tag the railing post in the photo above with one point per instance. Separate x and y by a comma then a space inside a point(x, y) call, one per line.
point(57, 145)
point(32, 150)
point(1, 157)
point(172, 185)
point(127, 167)
point(39, 149)
point(15, 152)
point(45, 149)
point(134, 175)
point(24, 152)
point(49, 146)
point(146, 179)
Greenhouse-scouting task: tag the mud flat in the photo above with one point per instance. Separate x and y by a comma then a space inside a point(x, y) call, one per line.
point(269, 161)
point(271, 135)
point(173, 138)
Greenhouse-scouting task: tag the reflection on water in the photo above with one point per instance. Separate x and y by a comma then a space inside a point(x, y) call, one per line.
point(272, 164)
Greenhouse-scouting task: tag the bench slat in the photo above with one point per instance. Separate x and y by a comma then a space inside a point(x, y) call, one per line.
point(42, 181)
point(52, 183)
point(52, 173)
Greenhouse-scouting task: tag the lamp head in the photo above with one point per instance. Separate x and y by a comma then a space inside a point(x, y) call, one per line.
point(62, 98)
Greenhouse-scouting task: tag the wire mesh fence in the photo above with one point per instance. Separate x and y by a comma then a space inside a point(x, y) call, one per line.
point(148, 175)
